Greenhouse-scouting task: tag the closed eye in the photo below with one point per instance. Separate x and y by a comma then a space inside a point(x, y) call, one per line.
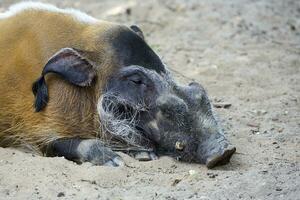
point(136, 79)
point(138, 82)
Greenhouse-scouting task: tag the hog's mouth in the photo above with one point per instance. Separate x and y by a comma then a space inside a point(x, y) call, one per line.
point(121, 119)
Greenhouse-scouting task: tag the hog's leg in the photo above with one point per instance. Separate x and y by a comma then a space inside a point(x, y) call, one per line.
point(144, 156)
point(84, 150)
point(145, 151)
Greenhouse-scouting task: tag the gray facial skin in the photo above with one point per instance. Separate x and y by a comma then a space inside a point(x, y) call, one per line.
point(149, 110)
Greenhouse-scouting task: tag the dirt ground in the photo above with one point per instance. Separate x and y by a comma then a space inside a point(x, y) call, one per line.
point(245, 52)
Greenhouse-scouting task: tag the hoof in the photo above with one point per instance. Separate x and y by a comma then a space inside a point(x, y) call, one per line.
point(115, 162)
point(145, 156)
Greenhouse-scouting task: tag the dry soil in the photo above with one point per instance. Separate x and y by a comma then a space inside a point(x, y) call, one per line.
point(244, 52)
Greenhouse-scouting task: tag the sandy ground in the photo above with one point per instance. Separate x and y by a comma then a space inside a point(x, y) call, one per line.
point(244, 52)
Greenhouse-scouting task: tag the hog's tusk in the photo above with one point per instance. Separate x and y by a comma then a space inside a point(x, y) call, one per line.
point(179, 145)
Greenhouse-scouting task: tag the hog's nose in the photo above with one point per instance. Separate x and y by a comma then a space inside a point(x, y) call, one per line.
point(172, 105)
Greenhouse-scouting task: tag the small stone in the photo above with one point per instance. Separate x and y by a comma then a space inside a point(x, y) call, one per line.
point(192, 172)
point(128, 11)
point(259, 112)
point(222, 105)
point(253, 124)
point(212, 175)
point(280, 130)
point(214, 66)
point(293, 27)
point(174, 166)
point(275, 119)
point(176, 181)
point(262, 112)
point(204, 198)
point(265, 132)
point(190, 60)
point(61, 194)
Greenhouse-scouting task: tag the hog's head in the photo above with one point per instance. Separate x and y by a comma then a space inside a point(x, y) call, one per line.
point(150, 109)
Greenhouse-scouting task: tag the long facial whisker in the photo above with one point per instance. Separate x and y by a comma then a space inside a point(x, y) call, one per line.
point(120, 125)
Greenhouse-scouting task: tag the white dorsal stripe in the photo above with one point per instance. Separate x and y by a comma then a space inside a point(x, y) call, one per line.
point(29, 5)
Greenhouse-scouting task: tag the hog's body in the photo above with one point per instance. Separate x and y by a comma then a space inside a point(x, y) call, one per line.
point(85, 60)
point(28, 39)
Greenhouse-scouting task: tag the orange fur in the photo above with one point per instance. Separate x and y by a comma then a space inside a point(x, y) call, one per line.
point(27, 40)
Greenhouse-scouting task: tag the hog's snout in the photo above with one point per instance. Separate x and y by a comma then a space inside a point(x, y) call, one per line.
point(214, 150)
point(187, 127)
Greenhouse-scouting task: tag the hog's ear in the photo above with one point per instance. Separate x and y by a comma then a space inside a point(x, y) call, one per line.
point(69, 65)
point(137, 30)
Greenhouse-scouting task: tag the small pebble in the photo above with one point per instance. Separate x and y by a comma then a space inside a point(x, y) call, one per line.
point(212, 175)
point(192, 172)
point(221, 105)
point(253, 124)
point(61, 194)
point(280, 130)
point(176, 181)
